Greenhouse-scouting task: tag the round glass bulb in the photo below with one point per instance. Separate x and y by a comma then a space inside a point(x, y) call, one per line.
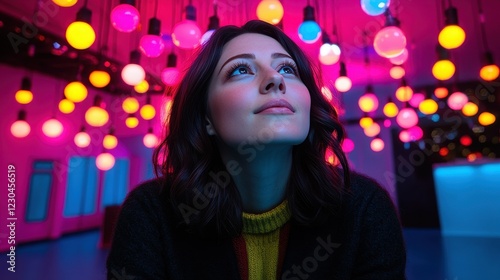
point(451, 37)
point(125, 18)
point(151, 45)
point(75, 92)
point(441, 92)
point(105, 161)
point(206, 36)
point(372, 130)
point(24, 96)
point(96, 116)
point(66, 106)
point(390, 42)
point(400, 59)
point(148, 112)
point(347, 145)
point(270, 11)
point(375, 7)
point(404, 93)
point(457, 100)
point(486, 118)
point(82, 139)
point(170, 76)
point(377, 145)
point(132, 74)
point(397, 72)
point(65, 3)
point(150, 140)
point(186, 35)
point(80, 35)
point(110, 142)
point(142, 87)
point(489, 72)
point(470, 109)
point(131, 122)
point(52, 128)
point(309, 31)
point(20, 129)
point(130, 105)
point(99, 78)
point(428, 106)
point(407, 118)
point(391, 110)
point(416, 99)
point(368, 102)
point(415, 133)
point(329, 54)
point(343, 84)
point(404, 136)
point(365, 122)
point(443, 70)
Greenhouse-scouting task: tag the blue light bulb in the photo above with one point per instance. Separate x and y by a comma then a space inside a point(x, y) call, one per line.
point(375, 7)
point(309, 31)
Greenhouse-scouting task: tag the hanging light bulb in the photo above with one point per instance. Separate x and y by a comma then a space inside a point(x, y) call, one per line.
point(400, 59)
point(99, 78)
point(404, 93)
point(151, 44)
point(416, 99)
point(377, 144)
point(309, 31)
point(82, 138)
point(213, 24)
point(110, 141)
point(390, 41)
point(187, 34)
point(131, 121)
point(170, 75)
point(20, 128)
point(343, 83)
point(375, 7)
point(365, 121)
point(52, 128)
point(407, 118)
point(142, 87)
point(372, 130)
point(470, 109)
point(96, 115)
point(75, 91)
point(24, 94)
point(329, 53)
point(428, 106)
point(486, 118)
point(150, 140)
point(443, 69)
point(270, 11)
point(441, 92)
point(147, 111)
point(390, 109)
point(452, 35)
point(65, 3)
point(125, 17)
point(368, 102)
point(347, 145)
point(130, 105)
point(66, 106)
point(133, 73)
point(457, 100)
point(105, 161)
point(490, 70)
point(397, 72)
point(80, 34)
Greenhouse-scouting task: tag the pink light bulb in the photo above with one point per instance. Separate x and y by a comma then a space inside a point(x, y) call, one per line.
point(125, 18)
point(343, 84)
point(404, 136)
point(416, 98)
point(170, 76)
point(457, 100)
point(105, 161)
point(400, 59)
point(20, 129)
point(186, 35)
point(150, 140)
point(347, 145)
point(52, 128)
point(377, 145)
point(132, 74)
point(151, 45)
point(206, 36)
point(82, 139)
point(407, 118)
point(390, 42)
point(415, 132)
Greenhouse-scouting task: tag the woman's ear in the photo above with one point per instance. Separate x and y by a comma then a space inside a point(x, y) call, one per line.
point(210, 127)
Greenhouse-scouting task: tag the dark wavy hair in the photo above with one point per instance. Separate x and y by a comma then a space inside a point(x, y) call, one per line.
point(210, 203)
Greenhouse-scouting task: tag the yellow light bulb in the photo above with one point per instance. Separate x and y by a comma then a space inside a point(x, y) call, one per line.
point(270, 11)
point(404, 93)
point(142, 87)
point(75, 92)
point(486, 118)
point(428, 106)
point(66, 106)
point(391, 110)
point(489, 72)
point(80, 35)
point(148, 112)
point(96, 116)
point(24, 96)
point(130, 105)
point(131, 122)
point(441, 92)
point(365, 122)
point(109, 142)
point(65, 3)
point(397, 72)
point(443, 70)
point(470, 109)
point(451, 37)
point(99, 78)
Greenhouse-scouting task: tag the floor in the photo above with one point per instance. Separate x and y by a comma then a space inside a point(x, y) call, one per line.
point(430, 257)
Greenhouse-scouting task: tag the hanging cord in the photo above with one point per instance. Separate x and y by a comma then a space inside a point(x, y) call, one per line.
point(482, 25)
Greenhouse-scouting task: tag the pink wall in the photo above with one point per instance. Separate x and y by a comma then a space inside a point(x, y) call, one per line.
point(22, 152)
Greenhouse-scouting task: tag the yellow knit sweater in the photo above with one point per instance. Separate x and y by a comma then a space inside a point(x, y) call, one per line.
point(261, 234)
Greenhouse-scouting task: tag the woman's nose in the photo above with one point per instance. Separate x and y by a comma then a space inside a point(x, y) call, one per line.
point(273, 82)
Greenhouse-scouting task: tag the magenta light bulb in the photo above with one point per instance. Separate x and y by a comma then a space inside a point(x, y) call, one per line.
point(407, 118)
point(151, 45)
point(125, 18)
point(457, 100)
point(390, 42)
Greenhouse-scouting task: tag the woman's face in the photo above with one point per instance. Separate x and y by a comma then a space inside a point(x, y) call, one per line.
point(256, 96)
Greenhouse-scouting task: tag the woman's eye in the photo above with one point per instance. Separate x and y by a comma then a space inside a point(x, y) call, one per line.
point(239, 71)
point(287, 70)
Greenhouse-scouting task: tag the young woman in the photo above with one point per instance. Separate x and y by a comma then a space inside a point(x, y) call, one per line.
point(245, 191)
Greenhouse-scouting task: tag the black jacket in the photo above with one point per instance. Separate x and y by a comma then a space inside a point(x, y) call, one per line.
point(364, 242)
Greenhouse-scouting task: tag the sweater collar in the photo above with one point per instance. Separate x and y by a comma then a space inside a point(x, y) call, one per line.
point(268, 221)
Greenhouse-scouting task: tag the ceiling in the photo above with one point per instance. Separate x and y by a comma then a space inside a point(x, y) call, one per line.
point(420, 20)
